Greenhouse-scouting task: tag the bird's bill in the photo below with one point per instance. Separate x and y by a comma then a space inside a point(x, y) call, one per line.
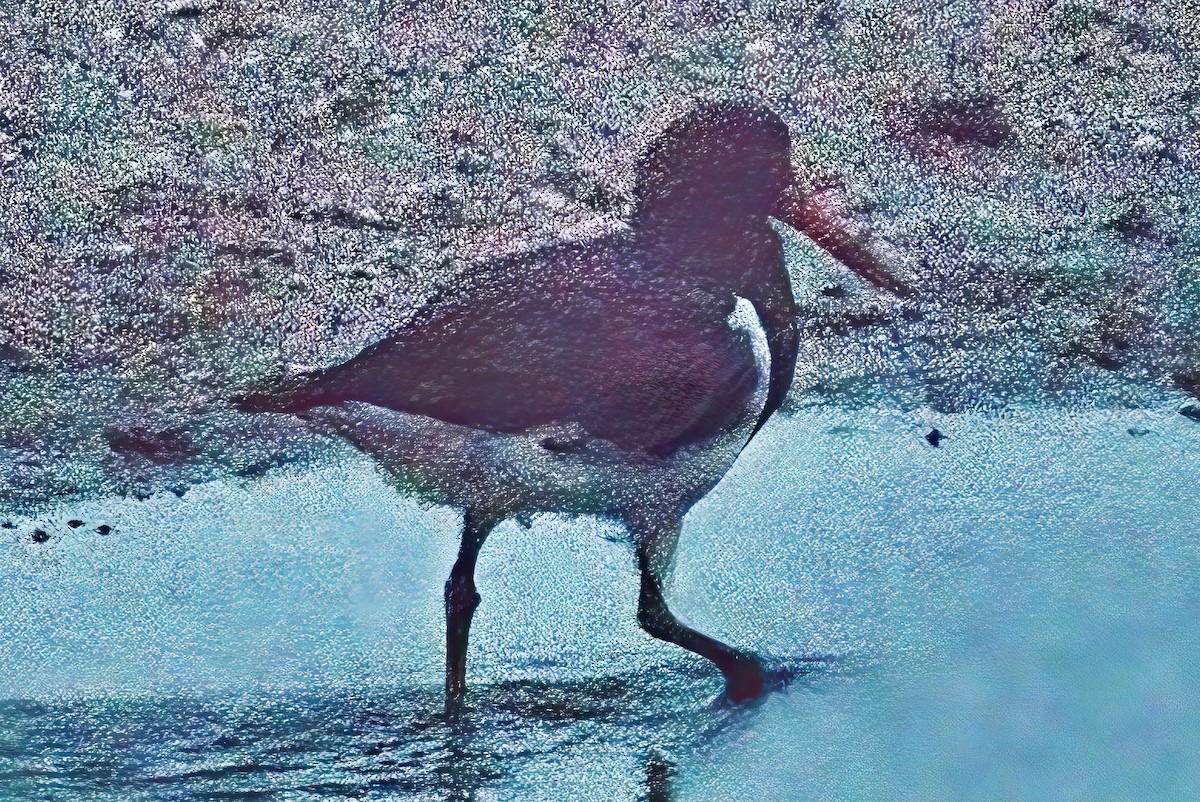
point(818, 217)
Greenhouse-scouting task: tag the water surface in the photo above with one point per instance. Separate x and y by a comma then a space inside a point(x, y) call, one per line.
point(1010, 615)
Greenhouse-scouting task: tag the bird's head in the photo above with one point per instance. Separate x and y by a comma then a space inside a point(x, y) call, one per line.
point(722, 163)
point(715, 176)
point(726, 167)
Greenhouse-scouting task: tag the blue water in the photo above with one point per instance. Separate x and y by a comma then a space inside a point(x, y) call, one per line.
point(1011, 615)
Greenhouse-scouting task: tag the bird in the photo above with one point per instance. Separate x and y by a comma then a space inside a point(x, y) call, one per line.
point(618, 377)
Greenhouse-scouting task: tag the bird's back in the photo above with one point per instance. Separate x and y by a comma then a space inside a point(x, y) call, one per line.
point(599, 334)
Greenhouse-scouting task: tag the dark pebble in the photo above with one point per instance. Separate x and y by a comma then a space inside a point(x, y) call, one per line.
point(40, 536)
point(74, 523)
point(934, 437)
point(1136, 432)
point(187, 11)
point(8, 525)
point(967, 120)
point(1191, 411)
point(160, 447)
point(1134, 223)
point(1189, 382)
point(104, 529)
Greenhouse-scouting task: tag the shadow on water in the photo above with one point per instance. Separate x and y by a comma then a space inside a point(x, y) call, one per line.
point(639, 730)
point(659, 769)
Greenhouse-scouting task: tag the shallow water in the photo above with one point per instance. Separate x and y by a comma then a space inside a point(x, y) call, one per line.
point(520, 738)
point(1009, 615)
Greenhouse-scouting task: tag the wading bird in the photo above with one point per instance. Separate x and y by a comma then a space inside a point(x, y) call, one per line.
point(618, 377)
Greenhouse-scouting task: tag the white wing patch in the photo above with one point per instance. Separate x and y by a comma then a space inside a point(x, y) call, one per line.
point(745, 320)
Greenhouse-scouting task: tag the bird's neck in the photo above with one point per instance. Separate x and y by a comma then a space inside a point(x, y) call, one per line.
point(703, 272)
point(708, 233)
point(722, 251)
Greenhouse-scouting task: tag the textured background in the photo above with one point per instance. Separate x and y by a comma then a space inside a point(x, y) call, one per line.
point(197, 195)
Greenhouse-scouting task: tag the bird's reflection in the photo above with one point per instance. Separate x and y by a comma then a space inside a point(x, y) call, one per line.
point(513, 733)
point(659, 769)
point(627, 730)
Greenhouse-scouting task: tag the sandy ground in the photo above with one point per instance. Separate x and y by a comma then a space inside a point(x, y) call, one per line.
point(196, 195)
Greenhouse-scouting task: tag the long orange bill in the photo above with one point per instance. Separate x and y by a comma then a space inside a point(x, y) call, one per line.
point(818, 217)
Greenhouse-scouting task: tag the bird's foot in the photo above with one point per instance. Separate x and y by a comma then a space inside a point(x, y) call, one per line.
point(751, 677)
point(744, 679)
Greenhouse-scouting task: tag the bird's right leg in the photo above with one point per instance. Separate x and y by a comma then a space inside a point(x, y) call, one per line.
point(655, 548)
point(461, 601)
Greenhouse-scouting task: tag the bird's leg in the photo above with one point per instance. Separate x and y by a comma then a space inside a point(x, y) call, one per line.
point(742, 671)
point(461, 601)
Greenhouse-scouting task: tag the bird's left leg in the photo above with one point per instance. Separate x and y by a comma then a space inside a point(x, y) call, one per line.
point(461, 601)
point(655, 548)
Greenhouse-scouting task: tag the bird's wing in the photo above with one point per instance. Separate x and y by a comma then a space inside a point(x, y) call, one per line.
point(497, 350)
point(775, 303)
